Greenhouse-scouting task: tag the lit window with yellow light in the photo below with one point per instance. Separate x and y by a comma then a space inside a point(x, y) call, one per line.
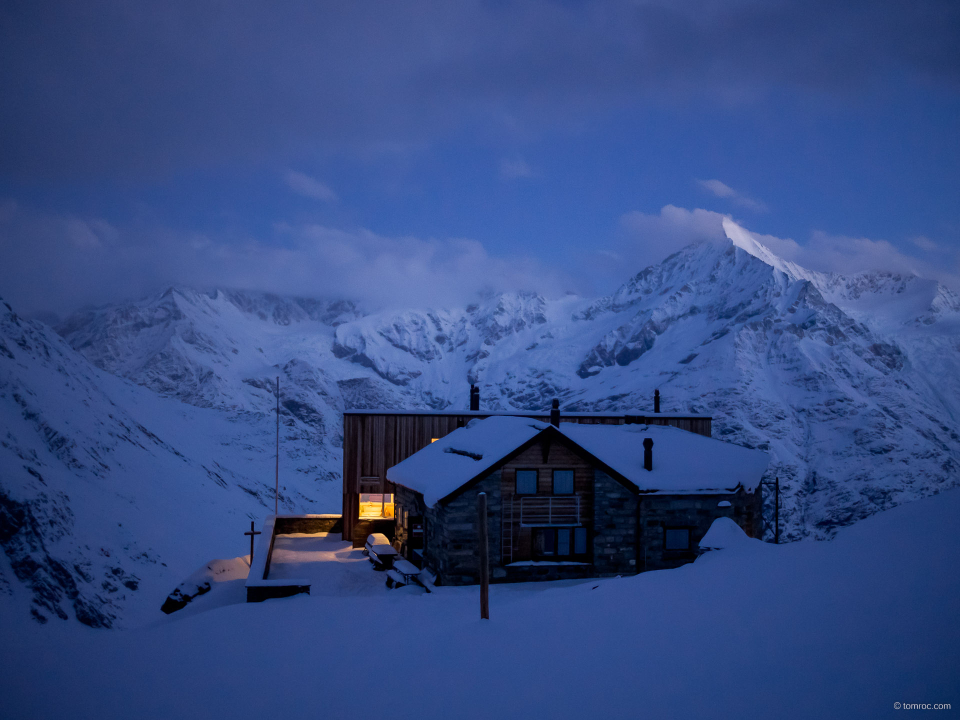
point(374, 506)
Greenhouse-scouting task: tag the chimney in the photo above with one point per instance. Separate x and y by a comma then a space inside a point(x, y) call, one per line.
point(555, 413)
point(474, 398)
point(656, 401)
point(648, 453)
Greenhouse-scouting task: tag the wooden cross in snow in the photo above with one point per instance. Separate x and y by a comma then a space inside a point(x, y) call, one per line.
point(251, 534)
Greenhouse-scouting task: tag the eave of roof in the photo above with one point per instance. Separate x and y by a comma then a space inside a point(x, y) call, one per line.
point(528, 414)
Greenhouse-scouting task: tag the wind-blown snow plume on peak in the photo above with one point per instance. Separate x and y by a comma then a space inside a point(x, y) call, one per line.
point(746, 241)
point(883, 300)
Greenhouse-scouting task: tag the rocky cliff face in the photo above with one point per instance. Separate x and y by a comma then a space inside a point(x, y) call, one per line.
point(851, 383)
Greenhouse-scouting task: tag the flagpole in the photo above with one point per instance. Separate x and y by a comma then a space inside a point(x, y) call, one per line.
point(276, 494)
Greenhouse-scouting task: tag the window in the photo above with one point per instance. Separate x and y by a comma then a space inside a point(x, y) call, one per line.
point(545, 542)
point(676, 538)
point(376, 505)
point(579, 541)
point(563, 482)
point(526, 482)
point(416, 533)
point(560, 543)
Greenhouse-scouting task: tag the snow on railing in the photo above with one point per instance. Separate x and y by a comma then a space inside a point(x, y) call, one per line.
point(549, 510)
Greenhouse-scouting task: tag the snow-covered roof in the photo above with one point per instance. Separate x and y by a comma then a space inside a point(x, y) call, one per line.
point(443, 466)
point(683, 462)
point(521, 413)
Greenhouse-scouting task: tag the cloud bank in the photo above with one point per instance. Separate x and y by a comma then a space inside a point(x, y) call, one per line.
point(60, 263)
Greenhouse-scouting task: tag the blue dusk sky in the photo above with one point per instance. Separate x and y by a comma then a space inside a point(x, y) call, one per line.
point(419, 153)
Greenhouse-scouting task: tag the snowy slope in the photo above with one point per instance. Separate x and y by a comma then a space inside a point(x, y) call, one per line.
point(110, 493)
point(842, 629)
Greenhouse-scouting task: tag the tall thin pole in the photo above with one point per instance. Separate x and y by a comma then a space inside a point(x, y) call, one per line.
point(484, 559)
point(276, 494)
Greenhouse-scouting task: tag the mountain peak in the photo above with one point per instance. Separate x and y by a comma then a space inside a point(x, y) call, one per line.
point(747, 241)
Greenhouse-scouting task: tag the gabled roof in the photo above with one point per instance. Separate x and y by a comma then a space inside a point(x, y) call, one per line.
point(683, 462)
point(443, 466)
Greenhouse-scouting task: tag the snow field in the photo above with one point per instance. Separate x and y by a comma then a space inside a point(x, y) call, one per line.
point(839, 629)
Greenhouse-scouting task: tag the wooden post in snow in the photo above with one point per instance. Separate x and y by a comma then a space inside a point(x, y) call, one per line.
point(276, 494)
point(484, 556)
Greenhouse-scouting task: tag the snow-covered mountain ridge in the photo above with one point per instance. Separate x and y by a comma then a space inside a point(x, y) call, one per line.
point(852, 383)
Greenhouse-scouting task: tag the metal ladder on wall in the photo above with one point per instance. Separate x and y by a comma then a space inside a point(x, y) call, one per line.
point(506, 535)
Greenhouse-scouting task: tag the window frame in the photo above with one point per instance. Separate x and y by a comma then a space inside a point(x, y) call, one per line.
point(573, 555)
point(685, 528)
point(573, 481)
point(516, 481)
point(586, 542)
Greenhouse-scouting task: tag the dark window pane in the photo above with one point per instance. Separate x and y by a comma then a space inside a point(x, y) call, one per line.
point(549, 542)
point(563, 542)
point(526, 482)
point(580, 541)
point(676, 539)
point(563, 482)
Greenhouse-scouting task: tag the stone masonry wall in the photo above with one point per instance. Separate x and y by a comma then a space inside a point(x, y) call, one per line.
point(696, 513)
point(412, 504)
point(614, 527)
point(310, 524)
point(452, 534)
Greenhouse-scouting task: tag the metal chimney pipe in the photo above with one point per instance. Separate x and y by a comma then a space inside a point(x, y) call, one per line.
point(474, 398)
point(555, 413)
point(656, 401)
point(648, 453)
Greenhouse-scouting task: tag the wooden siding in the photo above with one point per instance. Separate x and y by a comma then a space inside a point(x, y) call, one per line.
point(374, 441)
point(559, 457)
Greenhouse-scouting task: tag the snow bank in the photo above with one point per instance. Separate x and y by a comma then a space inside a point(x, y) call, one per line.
point(723, 533)
point(840, 629)
point(224, 575)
